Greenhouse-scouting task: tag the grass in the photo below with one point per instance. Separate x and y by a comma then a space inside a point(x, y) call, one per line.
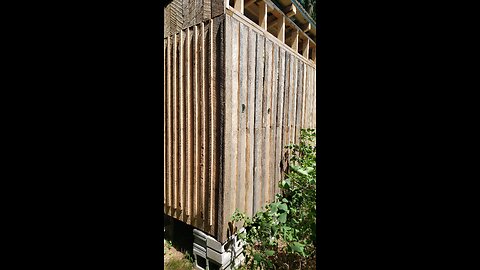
point(178, 264)
point(174, 259)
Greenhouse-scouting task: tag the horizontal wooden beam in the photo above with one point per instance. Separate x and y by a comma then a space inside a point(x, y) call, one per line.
point(290, 11)
point(306, 27)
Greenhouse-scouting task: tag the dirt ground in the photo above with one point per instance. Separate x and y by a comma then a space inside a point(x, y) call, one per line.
point(174, 259)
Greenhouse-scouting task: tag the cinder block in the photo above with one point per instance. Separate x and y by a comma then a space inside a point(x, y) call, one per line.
point(235, 264)
point(209, 252)
point(232, 240)
point(224, 257)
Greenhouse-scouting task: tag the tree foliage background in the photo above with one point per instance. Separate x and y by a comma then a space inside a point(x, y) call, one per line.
point(311, 7)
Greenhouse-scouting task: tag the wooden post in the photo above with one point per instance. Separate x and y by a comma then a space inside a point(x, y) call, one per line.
point(314, 55)
point(306, 46)
point(239, 5)
point(295, 41)
point(262, 15)
point(281, 31)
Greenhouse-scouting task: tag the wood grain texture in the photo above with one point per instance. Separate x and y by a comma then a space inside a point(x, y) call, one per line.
point(218, 7)
point(251, 50)
point(242, 115)
point(259, 71)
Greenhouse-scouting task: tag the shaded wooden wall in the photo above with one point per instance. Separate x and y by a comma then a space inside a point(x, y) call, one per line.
point(193, 134)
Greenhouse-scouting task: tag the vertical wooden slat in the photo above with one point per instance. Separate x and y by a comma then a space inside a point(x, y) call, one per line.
point(234, 118)
point(181, 116)
point(293, 100)
point(266, 104)
point(252, 40)
point(175, 125)
point(212, 111)
point(305, 91)
point(208, 123)
point(273, 125)
point(165, 114)
point(242, 116)
point(188, 126)
point(298, 118)
point(285, 112)
point(203, 128)
point(280, 118)
point(218, 96)
point(196, 126)
point(259, 71)
point(314, 84)
point(228, 145)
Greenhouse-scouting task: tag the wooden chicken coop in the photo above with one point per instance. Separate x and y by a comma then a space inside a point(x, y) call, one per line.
point(239, 85)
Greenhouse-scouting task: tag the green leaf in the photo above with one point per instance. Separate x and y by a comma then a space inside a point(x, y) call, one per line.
point(257, 257)
point(283, 207)
point(274, 207)
point(297, 247)
point(269, 252)
point(283, 218)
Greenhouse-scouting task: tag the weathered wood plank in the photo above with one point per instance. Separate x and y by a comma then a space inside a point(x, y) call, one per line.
point(266, 107)
point(228, 131)
point(298, 112)
point(203, 140)
point(181, 117)
point(165, 129)
point(280, 111)
point(208, 123)
point(175, 123)
point(196, 129)
point(218, 75)
point(188, 125)
point(242, 116)
point(259, 76)
point(252, 40)
point(293, 100)
point(285, 137)
point(234, 96)
point(273, 124)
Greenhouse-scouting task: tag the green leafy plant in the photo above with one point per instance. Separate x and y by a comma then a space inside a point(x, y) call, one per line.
point(284, 234)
